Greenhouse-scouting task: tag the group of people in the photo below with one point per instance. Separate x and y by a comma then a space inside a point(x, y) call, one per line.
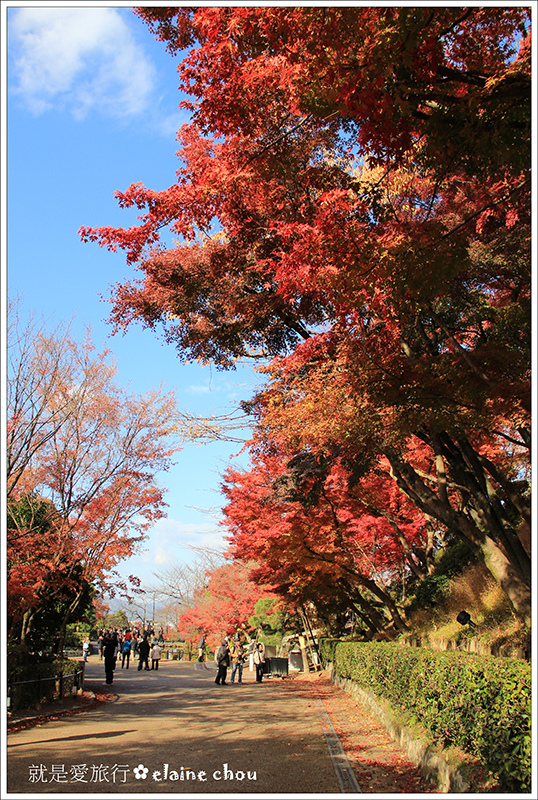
point(134, 636)
point(235, 654)
point(113, 645)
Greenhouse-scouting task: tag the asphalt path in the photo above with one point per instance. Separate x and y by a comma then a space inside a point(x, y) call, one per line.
point(173, 730)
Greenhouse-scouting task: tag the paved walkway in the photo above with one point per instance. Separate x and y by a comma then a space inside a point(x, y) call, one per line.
point(175, 731)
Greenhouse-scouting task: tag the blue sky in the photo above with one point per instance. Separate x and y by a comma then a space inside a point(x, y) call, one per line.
point(92, 106)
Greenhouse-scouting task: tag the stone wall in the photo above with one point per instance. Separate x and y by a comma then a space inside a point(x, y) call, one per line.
point(473, 645)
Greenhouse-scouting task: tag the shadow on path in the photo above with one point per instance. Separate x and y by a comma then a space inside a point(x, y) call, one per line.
point(176, 731)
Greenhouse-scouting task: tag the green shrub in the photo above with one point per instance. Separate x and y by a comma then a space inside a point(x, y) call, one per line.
point(76, 634)
point(327, 649)
point(269, 620)
point(480, 704)
point(34, 682)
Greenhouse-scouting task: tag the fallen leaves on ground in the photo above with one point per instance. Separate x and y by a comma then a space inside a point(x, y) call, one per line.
point(380, 764)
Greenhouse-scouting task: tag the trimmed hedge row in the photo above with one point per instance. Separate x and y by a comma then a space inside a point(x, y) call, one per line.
point(480, 704)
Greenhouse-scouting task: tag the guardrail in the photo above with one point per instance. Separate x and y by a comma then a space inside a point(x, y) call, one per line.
point(25, 694)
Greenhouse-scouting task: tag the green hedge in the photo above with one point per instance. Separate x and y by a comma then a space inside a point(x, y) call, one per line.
point(480, 704)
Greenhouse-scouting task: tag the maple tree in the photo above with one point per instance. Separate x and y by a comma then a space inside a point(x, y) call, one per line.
point(394, 73)
point(315, 541)
point(473, 479)
point(83, 456)
point(353, 202)
point(223, 605)
point(34, 580)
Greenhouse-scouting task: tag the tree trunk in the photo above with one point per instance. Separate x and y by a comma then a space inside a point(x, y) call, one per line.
point(26, 626)
point(372, 618)
point(499, 566)
point(387, 601)
point(506, 574)
point(371, 630)
point(399, 537)
point(68, 615)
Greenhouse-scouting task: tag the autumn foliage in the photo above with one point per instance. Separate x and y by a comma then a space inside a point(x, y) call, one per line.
point(223, 606)
point(352, 210)
point(82, 459)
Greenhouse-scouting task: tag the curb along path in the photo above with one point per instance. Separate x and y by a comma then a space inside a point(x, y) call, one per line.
point(342, 767)
point(175, 730)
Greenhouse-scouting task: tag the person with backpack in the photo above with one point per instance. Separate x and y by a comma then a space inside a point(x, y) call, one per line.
point(222, 657)
point(125, 653)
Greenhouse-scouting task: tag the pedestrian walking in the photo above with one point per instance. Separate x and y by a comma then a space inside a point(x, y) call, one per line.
point(143, 653)
point(259, 660)
point(125, 653)
point(85, 649)
point(201, 645)
point(110, 649)
point(238, 657)
point(222, 657)
point(155, 656)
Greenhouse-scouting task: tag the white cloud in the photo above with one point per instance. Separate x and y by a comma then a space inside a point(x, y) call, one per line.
point(170, 544)
point(169, 125)
point(78, 58)
point(199, 389)
point(170, 533)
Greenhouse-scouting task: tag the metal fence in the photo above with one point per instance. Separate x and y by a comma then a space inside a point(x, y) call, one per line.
point(25, 694)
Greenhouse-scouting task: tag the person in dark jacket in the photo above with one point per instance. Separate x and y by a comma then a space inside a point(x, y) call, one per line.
point(143, 653)
point(110, 648)
point(222, 657)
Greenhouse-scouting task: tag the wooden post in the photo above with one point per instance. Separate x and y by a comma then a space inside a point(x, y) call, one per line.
point(304, 654)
